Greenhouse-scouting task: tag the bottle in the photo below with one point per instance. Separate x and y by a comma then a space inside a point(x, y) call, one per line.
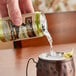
point(33, 25)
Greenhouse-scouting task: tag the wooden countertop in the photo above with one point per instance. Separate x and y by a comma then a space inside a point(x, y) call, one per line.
point(13, 61)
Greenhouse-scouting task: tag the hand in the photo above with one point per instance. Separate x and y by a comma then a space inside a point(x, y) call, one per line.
point(14, 8)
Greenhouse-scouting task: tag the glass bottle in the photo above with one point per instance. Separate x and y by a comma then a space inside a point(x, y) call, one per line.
point(33, 25)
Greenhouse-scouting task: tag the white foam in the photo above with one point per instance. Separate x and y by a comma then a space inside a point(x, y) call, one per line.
point(47, 56)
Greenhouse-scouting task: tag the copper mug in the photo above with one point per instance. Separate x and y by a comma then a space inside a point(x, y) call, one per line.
point(50, 67)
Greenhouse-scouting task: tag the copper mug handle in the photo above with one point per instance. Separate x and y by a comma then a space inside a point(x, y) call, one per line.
point(28, 65)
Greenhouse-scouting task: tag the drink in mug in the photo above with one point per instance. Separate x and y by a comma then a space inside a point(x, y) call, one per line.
point(33, 25)
point(58, 65)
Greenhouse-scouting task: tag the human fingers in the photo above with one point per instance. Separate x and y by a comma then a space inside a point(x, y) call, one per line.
point(14, 11)
point(3, 11)
point(26, 6)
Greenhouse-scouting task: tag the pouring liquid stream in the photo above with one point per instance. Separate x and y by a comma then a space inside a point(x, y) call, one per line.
point(49, 38)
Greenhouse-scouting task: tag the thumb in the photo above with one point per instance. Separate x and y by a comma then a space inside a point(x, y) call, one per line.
point(14, 11)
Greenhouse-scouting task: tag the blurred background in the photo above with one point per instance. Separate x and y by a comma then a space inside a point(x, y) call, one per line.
point(54, 5)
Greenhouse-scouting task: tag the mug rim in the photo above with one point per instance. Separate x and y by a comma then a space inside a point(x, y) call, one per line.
point(60, 60)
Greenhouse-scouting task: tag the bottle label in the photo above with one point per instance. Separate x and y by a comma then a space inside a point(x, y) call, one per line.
point(30, 28)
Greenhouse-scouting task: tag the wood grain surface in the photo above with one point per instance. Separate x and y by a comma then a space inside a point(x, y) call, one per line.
point(13, 61)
